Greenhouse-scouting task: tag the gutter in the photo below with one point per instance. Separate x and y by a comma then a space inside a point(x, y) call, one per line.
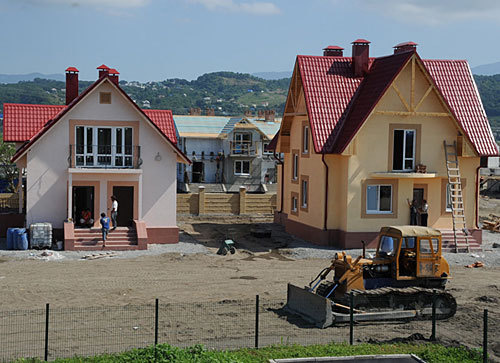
point(281, 162)
point(326, 191)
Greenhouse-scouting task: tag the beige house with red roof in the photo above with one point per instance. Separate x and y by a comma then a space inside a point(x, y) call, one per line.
point(99, 144)
point(361, 136)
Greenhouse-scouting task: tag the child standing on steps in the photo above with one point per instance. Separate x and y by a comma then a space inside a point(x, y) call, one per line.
point(105, 228)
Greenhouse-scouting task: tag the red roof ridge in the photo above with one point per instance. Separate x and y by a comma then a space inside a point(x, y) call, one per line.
point(103, 66)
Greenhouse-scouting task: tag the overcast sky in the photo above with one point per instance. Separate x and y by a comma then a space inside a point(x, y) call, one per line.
point(157, 39)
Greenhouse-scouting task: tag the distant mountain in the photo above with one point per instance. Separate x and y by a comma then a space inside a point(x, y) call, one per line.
point(14, 78)
point(487, 69)
point(273, 75)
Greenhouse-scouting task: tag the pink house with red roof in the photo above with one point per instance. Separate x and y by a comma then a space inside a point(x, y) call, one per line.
point(99, 144)
point(362, 136)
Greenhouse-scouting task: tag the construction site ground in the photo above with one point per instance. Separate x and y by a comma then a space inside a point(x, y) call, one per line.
point(192, 272)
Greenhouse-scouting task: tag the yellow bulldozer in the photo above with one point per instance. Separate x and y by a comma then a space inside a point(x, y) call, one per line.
point(404, 280)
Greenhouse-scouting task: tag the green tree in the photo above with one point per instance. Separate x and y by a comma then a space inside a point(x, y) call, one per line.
point(8, 170)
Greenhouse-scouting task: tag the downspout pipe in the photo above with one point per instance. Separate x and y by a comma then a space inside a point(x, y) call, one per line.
point(478, 181)
point(280, 162)
point(326, 191)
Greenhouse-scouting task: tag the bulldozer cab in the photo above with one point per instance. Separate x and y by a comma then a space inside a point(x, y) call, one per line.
point(413, 251)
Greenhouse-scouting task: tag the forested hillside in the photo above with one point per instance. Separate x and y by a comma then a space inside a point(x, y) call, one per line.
point(226, 92)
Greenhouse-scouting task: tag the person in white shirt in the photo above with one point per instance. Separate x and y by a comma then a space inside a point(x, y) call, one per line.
point(114, 211)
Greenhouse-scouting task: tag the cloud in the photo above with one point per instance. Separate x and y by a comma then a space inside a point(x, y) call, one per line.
point(435, 12)
point(256, 8)
point(115, 4)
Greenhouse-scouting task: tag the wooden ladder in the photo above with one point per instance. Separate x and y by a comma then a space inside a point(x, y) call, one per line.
point(455, 192)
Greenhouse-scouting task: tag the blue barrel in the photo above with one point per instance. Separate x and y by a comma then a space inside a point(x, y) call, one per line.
point(21, 239)
point(10, 238)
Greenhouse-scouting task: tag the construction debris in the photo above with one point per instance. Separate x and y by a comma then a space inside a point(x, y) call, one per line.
point(475, 265)
point(95, 256)
point(493, 223)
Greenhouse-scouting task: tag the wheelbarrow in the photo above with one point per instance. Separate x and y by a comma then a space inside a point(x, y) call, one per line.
point(225, 247)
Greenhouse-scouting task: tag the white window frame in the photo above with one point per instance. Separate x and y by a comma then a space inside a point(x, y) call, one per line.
point(305, 140)
point(404, 159)
point(295, 204)
point(295, 167)
point(304, 196)
point(95, 147)
point(378, 211)
point(241, 167)
point(264, 144)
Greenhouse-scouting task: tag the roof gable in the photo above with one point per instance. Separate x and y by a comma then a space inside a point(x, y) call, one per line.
point(163, 119)
point(338, 103)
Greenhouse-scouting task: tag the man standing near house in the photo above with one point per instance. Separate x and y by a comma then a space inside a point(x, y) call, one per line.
point(114, 211)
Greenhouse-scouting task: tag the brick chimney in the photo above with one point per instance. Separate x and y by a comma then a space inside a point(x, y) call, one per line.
point(333, 51)
point(113, 76)
point(360, 57)
point(103, 70)
point(210, 111)
point(260, 114)
point(71, 84)
point(405, 47)
point(269, 115)
point(248, 113)
point(195, 111)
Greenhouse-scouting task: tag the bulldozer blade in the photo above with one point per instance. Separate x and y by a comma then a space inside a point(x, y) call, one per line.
point(312, 307)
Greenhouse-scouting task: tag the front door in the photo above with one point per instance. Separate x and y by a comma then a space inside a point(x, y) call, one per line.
point(197, 172)
point(125, 198)
point(83, 199)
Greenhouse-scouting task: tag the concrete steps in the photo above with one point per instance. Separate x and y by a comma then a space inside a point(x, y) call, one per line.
point(449, 244)
point(90, 239)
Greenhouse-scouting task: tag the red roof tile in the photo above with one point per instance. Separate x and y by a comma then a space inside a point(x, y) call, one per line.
point(72, 69)
point(22, 122)
point(329, 85)
point(413, 44)
point(113, 71)
point(454, 80)
point(103, 66)
point(361, 41)
point(164, 120)
point(329, 88)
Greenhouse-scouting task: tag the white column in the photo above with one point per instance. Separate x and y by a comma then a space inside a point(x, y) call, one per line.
point(139, 209)
point(70, 195)
point(20, 189)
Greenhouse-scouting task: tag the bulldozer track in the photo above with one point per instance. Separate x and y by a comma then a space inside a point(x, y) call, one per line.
point(390, 298)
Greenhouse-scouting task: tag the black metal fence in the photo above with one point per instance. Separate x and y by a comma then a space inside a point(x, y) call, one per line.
point(52, 333)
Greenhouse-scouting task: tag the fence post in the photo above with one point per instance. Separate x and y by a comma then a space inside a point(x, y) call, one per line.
point(351, 318)
point(257, 321)
point(243, 199)
point(201, 200)
point(433, 333)
point(485, 336)
point(46, 355)
point(156, 325)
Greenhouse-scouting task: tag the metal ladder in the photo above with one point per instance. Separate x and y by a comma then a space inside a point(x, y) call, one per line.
point(455, 192)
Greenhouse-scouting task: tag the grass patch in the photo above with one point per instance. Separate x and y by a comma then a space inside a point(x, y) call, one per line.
point(198, 354)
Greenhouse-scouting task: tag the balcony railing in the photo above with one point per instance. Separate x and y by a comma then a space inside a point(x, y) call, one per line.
point(105, 156)
point(242, 148)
